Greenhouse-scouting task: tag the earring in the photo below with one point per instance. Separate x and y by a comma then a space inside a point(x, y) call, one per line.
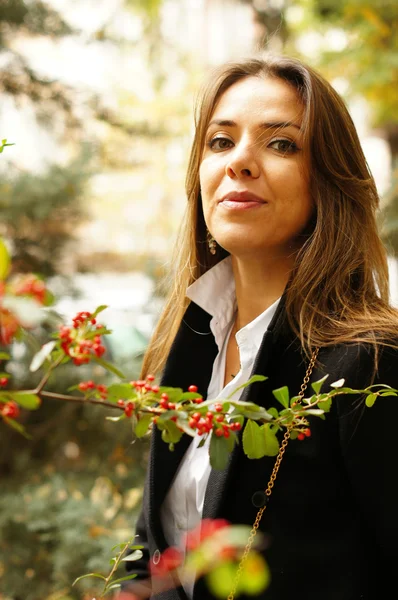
point(211, 242)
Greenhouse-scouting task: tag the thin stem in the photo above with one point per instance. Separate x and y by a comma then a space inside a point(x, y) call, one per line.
point(78, 399)
point(115, 566)
point(46, 377)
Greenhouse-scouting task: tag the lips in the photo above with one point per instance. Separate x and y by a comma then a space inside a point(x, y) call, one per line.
point(242, 197)
point(238, 201)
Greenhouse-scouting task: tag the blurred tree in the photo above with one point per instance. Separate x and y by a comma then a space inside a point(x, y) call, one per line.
point(272, 27)
point(40, 214)
point(366, 56)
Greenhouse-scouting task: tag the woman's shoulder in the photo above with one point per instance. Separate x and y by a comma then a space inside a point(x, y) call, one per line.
point(362, 363)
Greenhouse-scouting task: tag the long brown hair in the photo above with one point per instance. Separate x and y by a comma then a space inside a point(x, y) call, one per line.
point(339, 288)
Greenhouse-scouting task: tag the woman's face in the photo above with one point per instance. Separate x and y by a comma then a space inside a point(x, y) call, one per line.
point(254, 173)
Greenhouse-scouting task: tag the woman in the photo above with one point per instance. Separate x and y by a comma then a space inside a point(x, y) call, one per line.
point(281, 272)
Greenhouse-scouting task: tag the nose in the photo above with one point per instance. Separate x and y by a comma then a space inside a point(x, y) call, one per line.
point(242, 163)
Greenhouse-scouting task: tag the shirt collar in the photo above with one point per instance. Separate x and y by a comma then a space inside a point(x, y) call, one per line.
point(215, 292)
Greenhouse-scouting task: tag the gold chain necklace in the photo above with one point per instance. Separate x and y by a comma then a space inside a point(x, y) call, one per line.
point(271, 482)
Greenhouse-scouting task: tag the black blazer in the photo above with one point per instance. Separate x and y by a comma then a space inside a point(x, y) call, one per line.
point(332, 520)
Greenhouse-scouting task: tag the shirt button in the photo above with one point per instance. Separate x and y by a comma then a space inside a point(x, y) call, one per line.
point(259, 499)
point(156, 557)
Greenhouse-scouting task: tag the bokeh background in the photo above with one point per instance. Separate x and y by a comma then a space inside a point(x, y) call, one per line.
point(98, 97)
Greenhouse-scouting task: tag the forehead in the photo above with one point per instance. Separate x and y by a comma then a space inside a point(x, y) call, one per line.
point(260, 98)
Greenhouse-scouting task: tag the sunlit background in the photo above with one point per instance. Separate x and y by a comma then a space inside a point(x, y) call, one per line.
point(98, 97)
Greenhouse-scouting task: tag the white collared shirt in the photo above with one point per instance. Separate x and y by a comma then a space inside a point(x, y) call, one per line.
point(215, 293)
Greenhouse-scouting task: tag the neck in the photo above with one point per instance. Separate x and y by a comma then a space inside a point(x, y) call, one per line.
point(258, 285)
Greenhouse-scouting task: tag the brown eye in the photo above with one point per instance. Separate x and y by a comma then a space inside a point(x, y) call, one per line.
point(284, 146)
point(220, 143)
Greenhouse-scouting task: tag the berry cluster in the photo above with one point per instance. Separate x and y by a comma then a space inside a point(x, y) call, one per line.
point(10, 410)
point(89, 386)
point(172, 557)
point(81, 342)
point(203, 531)
point(304, 434)
point(29, 285)
point(169, 560)
point(145, 385)
point(211, 421)
point(128, 407)
point(9, 326)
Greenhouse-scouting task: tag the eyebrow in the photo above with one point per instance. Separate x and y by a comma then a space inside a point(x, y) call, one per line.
point(267, 125)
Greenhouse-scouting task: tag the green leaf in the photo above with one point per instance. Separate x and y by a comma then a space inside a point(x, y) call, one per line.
point(5, 260)
point(252, 379)
point(190, 396)
point(4, 356)
point(253, 440)
point(98, 310)
point(136, 555)
point(29, 401)
point(142, 425)
point(316, 385)
point(41, 356)
point(89, 575)
point(255, 575)
point(314, 411)
point(220, 579)
point(219, 452)
point(273, 412)
point(127, 578)
point(271, 441)
point(116, 419)
point(174, 394)
point(325, 405)
point(120, 390)
point(391, 393)
point(282, 395)
point(171, 434)
point(17, 426)
point(108, 367)
point(337, 384)
point(370, 400)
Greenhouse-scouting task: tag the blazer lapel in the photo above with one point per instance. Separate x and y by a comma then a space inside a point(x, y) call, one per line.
point(183, 368)
point(219, 480)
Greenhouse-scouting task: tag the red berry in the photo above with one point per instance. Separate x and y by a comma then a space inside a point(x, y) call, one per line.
point(307, 432)
point(150, 378)
point(218, 407)
point(209, 415)
point(147, 387)
point(301, 436)
point(198, 400)
point(164, 397)
point(10, 410)
point(120, 402)
point(128, 411)
point(236, 426)
point(219, 432)
point(192, 423)
point(196, 416)
point(193, 388)
point(3, 381)
point(155, 389)
point(171, 406)
point(220, 418)
point(226, 433)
